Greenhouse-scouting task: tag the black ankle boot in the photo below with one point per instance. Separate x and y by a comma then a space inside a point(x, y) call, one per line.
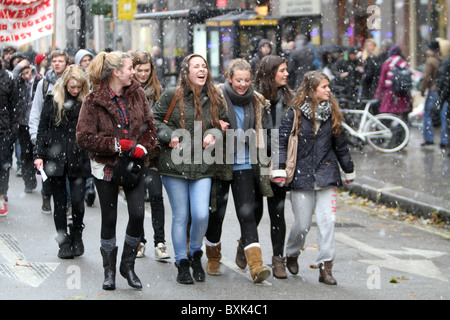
point(109, 265)
point(197, 270)
point(127, 266)
point(65, 246)
point(77, 242)
point(184, 275)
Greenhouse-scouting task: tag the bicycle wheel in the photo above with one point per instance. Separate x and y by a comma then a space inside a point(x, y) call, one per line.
point(386, 133)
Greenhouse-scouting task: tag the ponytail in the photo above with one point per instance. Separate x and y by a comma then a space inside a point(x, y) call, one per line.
point(101, 68)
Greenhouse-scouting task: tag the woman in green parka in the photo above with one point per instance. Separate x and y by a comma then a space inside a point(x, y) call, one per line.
point(188, 136)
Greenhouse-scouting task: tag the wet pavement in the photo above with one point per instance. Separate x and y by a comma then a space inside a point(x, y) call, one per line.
point(415, 179)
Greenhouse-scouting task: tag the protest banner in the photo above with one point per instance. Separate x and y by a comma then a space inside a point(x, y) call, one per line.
point(22, 21)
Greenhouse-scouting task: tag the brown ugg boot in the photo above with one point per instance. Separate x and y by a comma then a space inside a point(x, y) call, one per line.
point(325, 273)
point(279, 267)
point(292, 264)
point(254, 261)
point(213, 254)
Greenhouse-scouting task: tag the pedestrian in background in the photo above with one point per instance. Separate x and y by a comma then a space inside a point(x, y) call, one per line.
point(9, 124)
point(430, 88)
point(372, 69)
point(25, 79)
point(244, 113)
point(263, 50)
point(144, 67)
point(117, 107)
point(197, 107)
point(392, 102)
point(58, 154)
point(271, 81)
point(322, 147)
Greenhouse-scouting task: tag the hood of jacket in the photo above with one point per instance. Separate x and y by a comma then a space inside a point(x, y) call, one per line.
point(81, 54)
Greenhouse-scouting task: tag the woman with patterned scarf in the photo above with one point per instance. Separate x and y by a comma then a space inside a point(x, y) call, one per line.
point(322, 147)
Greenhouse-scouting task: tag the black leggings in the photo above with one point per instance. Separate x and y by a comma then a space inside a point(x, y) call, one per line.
point(77, 187)
point(108, 193)
point(275, 206)
point(243, 188)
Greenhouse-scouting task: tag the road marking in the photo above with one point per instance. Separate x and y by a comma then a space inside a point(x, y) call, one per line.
point(18, 268)
point(424, 268)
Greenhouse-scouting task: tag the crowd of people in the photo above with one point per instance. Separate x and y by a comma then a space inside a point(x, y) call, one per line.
point(74, 121)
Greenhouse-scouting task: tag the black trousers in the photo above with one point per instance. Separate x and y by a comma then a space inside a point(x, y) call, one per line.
point(243, 189)
point(77, 187)
point(154, 186)
point(6, 152)
point(275, 206)
point(108, 193)
point(26, 155)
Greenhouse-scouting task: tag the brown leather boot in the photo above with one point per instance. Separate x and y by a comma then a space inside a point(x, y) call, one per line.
point(254, 260)
point(240, 256)
point(213, 265)
point(292, 264)
point(325, 273)
point(279, 267)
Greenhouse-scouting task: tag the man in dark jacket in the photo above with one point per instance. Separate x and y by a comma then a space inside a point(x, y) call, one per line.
point(348, 73)
point(25, 85)
point(8, 129)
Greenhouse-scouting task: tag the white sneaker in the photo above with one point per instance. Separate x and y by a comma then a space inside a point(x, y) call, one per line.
point(141, 250)
point(161, 252)
point(3, 206)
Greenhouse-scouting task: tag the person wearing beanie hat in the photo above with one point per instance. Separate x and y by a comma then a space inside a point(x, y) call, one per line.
point(429, 85)
point(41, 62)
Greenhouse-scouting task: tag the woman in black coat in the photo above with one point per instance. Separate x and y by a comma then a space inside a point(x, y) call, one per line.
point(322, 148)
point(57, 153)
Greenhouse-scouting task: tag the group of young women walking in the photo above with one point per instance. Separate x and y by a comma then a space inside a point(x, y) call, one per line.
point(127, 110)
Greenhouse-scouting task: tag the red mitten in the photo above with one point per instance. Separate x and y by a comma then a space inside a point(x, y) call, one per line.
point(126, 144)
point(137, 153)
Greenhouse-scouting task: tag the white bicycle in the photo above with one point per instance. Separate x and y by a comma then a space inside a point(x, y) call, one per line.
point(384, 132)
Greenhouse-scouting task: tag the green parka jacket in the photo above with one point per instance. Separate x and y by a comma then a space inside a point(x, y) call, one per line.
point(189, 161)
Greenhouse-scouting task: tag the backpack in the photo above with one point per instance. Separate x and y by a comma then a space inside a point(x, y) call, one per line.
point(402, 81)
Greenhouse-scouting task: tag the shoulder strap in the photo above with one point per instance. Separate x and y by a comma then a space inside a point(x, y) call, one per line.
point(294, 123)
point(169, 112)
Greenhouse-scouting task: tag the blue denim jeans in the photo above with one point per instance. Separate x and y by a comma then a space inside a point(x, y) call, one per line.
point(428, 129)
point(188, 197)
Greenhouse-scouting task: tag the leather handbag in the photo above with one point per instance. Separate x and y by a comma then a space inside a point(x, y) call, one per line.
point(291, 156)
point(127, 172)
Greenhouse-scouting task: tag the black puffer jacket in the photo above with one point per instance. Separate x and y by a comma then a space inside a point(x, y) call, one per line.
point(318, 156)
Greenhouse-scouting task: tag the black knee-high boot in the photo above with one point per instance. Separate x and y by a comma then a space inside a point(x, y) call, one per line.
point(127, 266)
point(109, 265)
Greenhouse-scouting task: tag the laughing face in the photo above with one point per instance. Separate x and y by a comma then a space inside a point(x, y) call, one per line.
point(198, 72)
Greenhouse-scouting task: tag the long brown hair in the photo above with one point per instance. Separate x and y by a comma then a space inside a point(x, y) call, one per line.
point(264, 79)
point(307, 93)
point(184, 85)
point(143, 57)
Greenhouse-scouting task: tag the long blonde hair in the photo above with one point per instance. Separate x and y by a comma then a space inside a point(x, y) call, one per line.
point(59, 91)
point(307, 93)
point(101, 68)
